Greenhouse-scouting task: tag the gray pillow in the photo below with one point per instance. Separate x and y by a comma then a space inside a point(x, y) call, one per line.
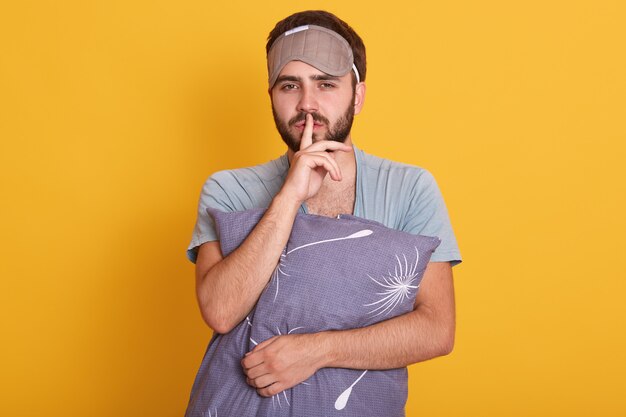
point(334, 274)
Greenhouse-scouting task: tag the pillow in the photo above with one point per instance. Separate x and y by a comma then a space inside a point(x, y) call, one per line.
point(333, 274)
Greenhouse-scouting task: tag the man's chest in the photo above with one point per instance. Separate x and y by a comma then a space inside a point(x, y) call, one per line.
point(332, 202)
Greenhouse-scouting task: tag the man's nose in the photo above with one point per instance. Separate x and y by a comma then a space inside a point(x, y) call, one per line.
point(308, 101)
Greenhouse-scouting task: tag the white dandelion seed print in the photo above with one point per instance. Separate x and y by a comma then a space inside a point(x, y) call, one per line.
point(356, 235)
point(397, 286)
point(209, 414)
point(276, 400)
point(279, 270)
point(281, 267)
point(342, 400)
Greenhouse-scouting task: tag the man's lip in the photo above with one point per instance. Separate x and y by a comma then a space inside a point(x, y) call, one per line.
point(302, 124)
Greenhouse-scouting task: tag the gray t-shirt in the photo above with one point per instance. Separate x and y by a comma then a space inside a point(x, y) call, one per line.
point(400, 196)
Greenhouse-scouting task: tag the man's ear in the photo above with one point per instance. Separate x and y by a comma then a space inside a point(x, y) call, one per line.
point(359, 97)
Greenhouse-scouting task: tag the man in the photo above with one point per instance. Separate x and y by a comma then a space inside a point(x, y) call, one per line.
point(314, 98)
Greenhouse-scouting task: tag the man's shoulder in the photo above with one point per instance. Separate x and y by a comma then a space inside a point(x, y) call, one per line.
point(268, 172)
point(244, 188)
point(376, 165)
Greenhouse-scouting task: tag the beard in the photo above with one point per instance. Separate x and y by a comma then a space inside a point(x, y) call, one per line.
point(338, 132)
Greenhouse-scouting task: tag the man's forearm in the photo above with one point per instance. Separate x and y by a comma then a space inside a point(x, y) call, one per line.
point(231, 288)
point(413, 337)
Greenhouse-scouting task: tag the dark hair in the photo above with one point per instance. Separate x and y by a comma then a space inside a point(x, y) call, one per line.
point(329, 21)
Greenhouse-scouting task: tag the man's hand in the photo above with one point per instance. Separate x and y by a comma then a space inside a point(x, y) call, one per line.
point(310, 165)
point(282, 362)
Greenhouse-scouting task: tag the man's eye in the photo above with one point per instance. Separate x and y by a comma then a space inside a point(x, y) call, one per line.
point(289, 87)
point(327, 85)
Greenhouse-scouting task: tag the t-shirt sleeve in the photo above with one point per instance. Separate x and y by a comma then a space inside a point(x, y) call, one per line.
point(427, 215)
point(214, 196)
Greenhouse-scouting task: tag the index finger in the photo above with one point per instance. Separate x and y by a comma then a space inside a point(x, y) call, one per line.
point(307, 134)
point(250, 361)
point(253, 358)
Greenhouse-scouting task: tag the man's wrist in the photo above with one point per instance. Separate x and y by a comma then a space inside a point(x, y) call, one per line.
point(325, 348)
point(285, 200)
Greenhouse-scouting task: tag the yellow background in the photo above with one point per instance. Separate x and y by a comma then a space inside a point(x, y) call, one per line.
point(113, 113)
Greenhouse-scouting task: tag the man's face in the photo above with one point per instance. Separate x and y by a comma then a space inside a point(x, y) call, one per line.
point(301, 89)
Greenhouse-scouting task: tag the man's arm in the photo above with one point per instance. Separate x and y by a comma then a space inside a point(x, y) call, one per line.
point(228, 288)
point(282, 362)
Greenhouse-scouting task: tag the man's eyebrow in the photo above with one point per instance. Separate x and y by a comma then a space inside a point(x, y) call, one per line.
point(288, 78)
point(316, 77)
point(324, 77)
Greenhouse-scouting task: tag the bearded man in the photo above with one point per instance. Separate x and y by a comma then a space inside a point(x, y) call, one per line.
point(317, 70)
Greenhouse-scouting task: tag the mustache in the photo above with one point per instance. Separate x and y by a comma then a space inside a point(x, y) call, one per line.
point(300, 117)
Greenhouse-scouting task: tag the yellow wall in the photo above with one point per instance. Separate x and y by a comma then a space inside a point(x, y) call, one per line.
point(113, 113)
